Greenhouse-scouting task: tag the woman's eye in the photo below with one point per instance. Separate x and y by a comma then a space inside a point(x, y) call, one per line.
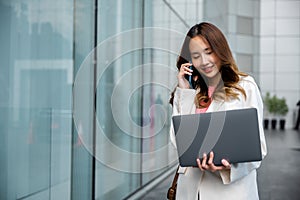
point(209, 52)
point(196, 57)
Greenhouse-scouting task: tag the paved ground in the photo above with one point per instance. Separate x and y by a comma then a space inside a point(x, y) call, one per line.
point(279, 175)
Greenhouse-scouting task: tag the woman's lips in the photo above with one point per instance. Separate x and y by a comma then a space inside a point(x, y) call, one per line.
point(207, 69)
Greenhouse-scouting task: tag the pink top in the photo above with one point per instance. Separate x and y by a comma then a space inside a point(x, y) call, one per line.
point(211, 90)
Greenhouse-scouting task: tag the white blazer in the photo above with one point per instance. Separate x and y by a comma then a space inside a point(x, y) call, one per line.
point(240, 181)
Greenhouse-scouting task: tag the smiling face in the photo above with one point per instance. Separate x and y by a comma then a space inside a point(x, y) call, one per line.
point(204, 59)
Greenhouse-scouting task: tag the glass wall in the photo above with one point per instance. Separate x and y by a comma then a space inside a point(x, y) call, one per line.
point(36, 98)
point(84, 96)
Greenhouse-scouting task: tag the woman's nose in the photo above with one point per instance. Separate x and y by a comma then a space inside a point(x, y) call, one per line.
point(205, 60)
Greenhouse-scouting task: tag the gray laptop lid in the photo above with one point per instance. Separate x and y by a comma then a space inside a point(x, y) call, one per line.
point(232, 135)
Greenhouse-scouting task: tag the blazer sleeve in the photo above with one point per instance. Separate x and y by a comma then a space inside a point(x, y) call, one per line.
point(183, 104)
point(253, 100)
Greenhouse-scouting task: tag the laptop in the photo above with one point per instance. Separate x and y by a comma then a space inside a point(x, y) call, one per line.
point(232, 135)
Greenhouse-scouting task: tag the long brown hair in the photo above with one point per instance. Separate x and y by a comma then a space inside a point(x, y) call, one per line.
point(230, 74)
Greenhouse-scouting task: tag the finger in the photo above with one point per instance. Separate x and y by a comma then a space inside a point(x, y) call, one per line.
point(186, 70)
point(186, 67)
point(199, 164)
point(211, 164)
point(226, 164)
point(186, 64)
point(188, 73)
point(217, 168)
point(211, 157)
point(204, 165)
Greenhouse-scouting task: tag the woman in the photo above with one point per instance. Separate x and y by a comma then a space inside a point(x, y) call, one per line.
point(298, 118)
point(216, 85)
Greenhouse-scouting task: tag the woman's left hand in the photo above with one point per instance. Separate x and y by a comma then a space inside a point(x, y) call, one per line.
point(210, 166)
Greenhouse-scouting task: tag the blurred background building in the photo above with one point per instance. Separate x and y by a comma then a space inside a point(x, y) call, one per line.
point(122, 56)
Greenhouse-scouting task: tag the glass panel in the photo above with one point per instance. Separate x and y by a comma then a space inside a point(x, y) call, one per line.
point(136, 74)
point(83, 101)
point(113, 101)
point(35, 101)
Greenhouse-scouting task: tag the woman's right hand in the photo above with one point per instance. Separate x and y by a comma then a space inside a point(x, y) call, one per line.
point(184, 70)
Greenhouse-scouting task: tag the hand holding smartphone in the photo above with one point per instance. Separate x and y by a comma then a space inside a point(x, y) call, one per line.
point(190, 78)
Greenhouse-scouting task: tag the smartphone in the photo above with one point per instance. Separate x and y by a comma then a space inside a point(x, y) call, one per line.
point(190, 77)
